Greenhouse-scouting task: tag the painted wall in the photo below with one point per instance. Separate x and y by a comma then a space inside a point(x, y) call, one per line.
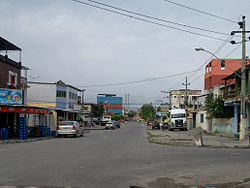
point(71, 101)
point(199, 123)
point(61, 101)
point(42, 94)
point(222, 125)
point(6, 66)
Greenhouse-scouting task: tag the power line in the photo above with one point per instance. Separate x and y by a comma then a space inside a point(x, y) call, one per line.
point(218, 64)
point(146, 80)
point(155, 18)
point(148, 21)
point(201, 67)
point(211, 57)
point(200, 11)
point(139, 81)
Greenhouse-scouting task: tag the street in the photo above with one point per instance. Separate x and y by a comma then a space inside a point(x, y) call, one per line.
point(118, 158)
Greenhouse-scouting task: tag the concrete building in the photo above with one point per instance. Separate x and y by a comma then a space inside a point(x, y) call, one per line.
point(111, 102)
point(215, 71)
point(14, 113)
point(177, 99)
point(60, 97)
point(164, 107)
point(232, 95)
point(214, 83)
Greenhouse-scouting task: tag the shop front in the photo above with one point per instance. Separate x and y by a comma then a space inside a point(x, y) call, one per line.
point(22, 122)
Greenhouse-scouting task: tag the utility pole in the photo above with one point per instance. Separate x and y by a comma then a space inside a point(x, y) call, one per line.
point(243, 77)
point(128, 103)
point(186, 100)
point(169, 92)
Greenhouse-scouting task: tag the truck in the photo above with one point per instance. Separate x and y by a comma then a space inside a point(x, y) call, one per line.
point(178, 119)
point(105, 119)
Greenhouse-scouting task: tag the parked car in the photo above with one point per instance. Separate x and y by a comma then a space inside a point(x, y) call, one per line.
point(117, 124)
point(110, 125)
point(66, 128)
point(164, 125)
point(156, 125)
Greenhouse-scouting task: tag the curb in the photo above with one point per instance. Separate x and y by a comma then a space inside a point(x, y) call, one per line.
point(24, 141)
point(193, 145)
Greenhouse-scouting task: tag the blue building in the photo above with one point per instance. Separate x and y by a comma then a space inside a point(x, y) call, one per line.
point(111, 102)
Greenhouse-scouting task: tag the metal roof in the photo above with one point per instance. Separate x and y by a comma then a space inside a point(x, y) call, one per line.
point(6, 45)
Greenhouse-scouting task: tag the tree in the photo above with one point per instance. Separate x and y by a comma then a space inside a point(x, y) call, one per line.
point(97, 110)
point(117, 117)
point(147, 110)
point(131, 113)
point(216, 109)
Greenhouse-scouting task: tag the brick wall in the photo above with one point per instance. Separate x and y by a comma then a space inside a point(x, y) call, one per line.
point(4, 74)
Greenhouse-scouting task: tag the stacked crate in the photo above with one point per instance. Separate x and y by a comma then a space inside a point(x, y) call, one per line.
point(23, 133)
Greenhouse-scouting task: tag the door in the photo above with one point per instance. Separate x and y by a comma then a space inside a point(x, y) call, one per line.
point(194, 120)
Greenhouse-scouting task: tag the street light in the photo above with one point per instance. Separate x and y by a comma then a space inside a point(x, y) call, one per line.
point(201, 49)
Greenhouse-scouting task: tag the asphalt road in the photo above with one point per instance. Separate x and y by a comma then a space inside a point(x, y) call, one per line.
point(118, 158)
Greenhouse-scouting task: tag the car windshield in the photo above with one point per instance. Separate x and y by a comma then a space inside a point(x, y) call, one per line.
point(67, 123)
point(178, 115)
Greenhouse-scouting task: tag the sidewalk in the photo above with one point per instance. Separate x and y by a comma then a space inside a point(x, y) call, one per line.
point(181, 138)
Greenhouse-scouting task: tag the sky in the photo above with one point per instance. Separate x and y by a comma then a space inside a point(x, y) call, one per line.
point(88, 47)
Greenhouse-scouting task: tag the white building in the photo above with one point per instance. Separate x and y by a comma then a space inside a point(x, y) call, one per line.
point(177, 99)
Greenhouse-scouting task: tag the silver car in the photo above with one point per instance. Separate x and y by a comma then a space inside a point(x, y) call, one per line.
point(110, 125)
point(70, 128)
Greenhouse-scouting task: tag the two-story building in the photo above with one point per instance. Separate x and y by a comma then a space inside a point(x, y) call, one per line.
point(62, 98)
point(179, 100)
point(232, 96)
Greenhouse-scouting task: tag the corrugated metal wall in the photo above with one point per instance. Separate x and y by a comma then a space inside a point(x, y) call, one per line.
point(41, 93)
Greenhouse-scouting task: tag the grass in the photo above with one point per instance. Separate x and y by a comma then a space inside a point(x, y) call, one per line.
point(181, 139)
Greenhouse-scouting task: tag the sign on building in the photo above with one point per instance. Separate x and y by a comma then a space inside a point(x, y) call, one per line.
point(161, 113)
point(10, 96)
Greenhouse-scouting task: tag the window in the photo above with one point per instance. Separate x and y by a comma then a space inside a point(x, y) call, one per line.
point(210, 67)
point(12, 79)
point(202, 118)
point(178, 115)
point(60, 93)
point(222, 66)
point(207, 69)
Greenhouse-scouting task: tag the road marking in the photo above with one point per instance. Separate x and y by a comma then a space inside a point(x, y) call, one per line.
point(237, 153)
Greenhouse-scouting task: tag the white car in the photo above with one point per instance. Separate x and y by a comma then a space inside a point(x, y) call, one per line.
point(110, 125)
point(69, 128)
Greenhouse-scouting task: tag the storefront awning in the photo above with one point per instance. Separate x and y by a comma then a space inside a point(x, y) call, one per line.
point(24, 109)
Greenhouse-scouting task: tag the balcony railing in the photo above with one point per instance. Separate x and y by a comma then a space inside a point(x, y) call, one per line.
point(235, 94)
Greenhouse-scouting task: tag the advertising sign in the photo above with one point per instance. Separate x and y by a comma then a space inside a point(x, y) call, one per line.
point(161, 113)
point(10, 96)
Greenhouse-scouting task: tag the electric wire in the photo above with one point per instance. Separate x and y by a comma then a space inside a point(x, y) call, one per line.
point(148, 21)
point(201, 67)
point(154, 18)
point(138, 81)
point(200, 11)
